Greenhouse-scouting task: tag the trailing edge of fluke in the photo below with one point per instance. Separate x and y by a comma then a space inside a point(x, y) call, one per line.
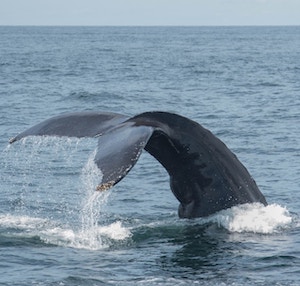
point(205, 176)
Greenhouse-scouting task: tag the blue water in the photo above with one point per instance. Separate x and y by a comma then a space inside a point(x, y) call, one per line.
point(242, 83)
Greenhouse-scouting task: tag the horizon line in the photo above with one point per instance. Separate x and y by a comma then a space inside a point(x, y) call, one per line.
point(152, 25)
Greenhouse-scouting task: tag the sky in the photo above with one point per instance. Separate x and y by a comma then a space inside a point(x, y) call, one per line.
point(149, 12)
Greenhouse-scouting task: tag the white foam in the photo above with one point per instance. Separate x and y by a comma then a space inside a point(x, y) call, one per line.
point(21, 222)
point(255, 218)
point(115, 231)
point(53, 232)
point(97, 238)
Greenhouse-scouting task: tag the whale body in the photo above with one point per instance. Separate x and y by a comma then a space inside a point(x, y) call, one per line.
point(205, 176)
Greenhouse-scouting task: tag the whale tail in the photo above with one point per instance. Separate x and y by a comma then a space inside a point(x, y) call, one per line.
point(205, 176)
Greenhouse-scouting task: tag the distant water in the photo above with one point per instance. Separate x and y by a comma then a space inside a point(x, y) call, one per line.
point(242, 83)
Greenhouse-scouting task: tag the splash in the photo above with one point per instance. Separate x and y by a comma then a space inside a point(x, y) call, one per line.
point(93, 201)
point(88, 230)
point(100, 237)
point(255, 218)
point(54, 233)
point(92, 235)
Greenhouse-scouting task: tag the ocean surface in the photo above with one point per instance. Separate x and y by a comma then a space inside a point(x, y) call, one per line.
point(242, 83)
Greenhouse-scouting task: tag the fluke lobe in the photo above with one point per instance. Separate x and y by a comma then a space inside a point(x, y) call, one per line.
point(205, 176)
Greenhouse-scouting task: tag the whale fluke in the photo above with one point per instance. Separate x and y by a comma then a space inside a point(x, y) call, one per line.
point(205, 176)
point(76, 124)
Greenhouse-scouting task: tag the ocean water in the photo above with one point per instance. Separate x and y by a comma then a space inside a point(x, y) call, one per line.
point(242, 83)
